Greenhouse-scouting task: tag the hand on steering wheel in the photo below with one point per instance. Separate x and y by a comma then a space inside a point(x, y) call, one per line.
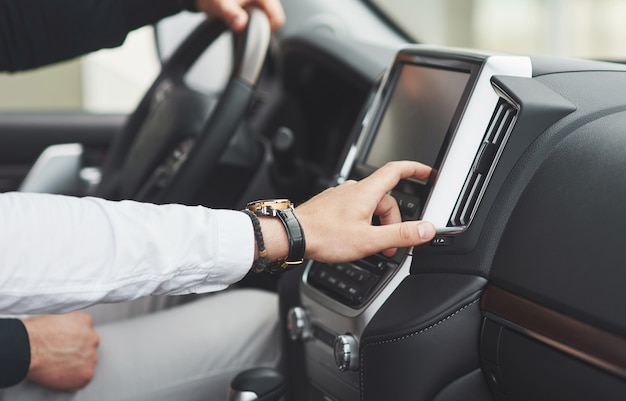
point(233, 13)
point(169, 145)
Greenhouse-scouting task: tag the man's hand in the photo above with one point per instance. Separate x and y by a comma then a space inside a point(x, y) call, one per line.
point(232, 12)
point(337, 223)
point(63, 350)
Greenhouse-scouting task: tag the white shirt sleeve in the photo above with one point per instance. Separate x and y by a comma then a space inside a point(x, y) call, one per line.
point(60, 253)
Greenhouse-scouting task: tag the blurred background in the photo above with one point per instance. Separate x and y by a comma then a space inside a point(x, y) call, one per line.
point(113, 81)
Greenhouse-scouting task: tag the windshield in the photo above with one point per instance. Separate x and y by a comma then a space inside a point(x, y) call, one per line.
point(571, 28)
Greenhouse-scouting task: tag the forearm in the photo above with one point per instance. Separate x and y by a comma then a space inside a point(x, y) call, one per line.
point(61, 253)
point(39, 32)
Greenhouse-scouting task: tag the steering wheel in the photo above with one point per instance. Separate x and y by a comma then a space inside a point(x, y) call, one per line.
point(171, 143)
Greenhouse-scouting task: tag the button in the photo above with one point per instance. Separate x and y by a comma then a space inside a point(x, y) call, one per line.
point(357, 274)
point(298, 324)
point(408, 206)
point(340, 268)
point(374, 264)
point(442, 240)
point(391, 265)
point(346, 352)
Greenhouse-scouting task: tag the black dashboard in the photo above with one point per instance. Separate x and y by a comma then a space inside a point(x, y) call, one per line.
point(448, 318)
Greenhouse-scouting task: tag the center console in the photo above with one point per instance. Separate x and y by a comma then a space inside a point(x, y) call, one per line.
point(438, 107)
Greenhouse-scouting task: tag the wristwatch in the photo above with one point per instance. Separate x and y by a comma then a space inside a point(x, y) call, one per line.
point(284, 210)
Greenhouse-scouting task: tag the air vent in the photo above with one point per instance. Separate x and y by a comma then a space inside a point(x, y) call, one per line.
point(498, 131)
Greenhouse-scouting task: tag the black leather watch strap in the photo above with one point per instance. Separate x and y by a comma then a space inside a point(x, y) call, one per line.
point(283, 209)
point(295, 235)
point(14, 353)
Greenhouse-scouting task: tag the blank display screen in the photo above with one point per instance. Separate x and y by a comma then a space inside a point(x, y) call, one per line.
point(418, 115)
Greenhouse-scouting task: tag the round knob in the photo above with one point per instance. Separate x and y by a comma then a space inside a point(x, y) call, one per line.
point(346, 352)
point(298, 325)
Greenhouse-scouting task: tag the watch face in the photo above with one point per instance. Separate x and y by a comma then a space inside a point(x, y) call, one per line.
point(266, 207)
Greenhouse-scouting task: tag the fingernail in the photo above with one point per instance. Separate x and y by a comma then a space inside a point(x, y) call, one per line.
point(240, 21)
point(426, 230)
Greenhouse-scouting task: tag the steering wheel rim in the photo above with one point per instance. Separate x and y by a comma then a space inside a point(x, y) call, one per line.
point(129, 149)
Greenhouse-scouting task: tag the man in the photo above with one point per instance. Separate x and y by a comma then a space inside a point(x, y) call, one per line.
point(99, 251)
point(336, 224)
point(60, 351)
point(67, 285)
point(40, 32)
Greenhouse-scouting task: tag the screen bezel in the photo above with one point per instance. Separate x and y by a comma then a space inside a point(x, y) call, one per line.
point(467, 65)
point(421, 189)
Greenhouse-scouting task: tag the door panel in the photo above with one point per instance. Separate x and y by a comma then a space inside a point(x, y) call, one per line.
point(23, 136)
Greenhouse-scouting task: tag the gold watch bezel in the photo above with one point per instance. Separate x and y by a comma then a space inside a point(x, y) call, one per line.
point(268, 207)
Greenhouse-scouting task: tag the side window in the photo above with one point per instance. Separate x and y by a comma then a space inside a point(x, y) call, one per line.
point(581, 28)
point(107, 81)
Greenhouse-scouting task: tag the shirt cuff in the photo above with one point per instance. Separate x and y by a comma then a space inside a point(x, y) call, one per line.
point(233, 250)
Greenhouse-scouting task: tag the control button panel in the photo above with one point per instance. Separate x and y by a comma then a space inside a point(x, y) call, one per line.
point(350, 283)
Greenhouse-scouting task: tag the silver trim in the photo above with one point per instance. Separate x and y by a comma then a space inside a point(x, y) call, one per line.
point(242, 396)
point(469, 135)
point(449, 230)
point(256, 44)
point(298, 326)
point(347, 164)
point(346, 352)
point(496, 159)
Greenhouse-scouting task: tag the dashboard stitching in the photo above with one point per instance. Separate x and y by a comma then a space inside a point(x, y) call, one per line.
point(405, 337)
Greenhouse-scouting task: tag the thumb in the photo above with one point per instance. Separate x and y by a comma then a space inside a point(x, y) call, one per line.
point(408, 233)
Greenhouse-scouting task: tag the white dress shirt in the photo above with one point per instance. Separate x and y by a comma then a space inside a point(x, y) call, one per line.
point(60, 253)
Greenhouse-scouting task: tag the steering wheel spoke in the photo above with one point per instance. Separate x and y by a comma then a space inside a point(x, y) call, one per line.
point(172, 117)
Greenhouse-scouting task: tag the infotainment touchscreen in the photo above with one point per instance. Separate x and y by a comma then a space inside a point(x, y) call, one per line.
point(418, 115)
point(433, 106)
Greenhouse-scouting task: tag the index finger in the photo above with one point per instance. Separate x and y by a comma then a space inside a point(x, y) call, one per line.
point(387, 177)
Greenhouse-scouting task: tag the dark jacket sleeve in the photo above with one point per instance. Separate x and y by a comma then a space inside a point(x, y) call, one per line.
point(39, 32)
point(14, 352)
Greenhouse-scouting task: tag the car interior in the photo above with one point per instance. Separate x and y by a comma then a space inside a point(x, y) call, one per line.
point(518, 297)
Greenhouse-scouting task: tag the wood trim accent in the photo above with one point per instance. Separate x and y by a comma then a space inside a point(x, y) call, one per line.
point(598, 347)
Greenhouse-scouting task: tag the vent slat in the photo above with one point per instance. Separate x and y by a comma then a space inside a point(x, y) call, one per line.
point(496, 135)
point(507, 119)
